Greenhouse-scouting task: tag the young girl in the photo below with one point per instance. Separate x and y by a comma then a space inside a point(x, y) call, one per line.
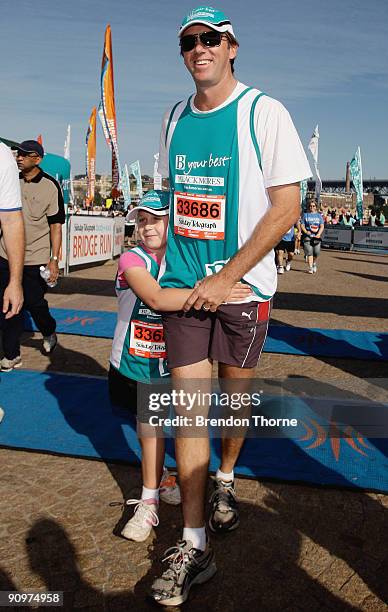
point(138, 352)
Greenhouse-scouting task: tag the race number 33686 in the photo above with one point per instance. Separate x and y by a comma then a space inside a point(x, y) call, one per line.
point(147, 340)
point(199, 216)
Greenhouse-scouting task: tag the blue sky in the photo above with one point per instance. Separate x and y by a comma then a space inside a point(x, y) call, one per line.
point(326, 61)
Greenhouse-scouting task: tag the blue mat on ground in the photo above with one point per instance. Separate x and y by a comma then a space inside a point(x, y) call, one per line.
point(316, 342)
point(71, 415)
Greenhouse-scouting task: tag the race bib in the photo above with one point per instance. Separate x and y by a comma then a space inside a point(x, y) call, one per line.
point(199, 216)
point(147, 340)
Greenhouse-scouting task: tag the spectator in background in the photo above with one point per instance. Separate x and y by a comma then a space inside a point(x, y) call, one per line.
point(380, 220)
point(348, 220)
point(130, 222)
point(334, 220)
point(325, 215)
point(285, 247)
point(312, 229)
point(372, 218)
point(43, 214)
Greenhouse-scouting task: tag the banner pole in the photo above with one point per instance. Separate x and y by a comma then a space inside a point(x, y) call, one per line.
point(67, 267)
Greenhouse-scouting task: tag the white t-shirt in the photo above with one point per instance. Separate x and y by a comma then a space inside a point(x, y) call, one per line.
point(282, 155)
point(234, 152)
point(10, 197)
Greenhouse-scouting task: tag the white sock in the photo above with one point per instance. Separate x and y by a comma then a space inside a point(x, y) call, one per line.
point(150, 493)
point(224, 476)
point(196, 535)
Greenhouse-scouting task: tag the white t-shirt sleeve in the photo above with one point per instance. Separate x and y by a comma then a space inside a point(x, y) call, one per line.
point(282, 155)
point(163, 151)
point(10, 197)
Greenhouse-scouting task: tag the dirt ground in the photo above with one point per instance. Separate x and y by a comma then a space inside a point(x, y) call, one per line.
point(298, 547)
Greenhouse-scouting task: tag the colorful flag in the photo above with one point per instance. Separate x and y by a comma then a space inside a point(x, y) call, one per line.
point(108, 108)
point(356, 174)
point(157, 176)
point(126, 186)
point(91, 157)
point(303, 193)
point(135, 169)
point(313, 147)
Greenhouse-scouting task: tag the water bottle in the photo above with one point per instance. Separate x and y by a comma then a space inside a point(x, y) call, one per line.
point(45, 274)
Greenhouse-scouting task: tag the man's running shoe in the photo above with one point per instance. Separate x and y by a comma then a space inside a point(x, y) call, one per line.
point(315, 268)
point(224, 512)
point(49, 343)
point(310, 271)
point(145, 517)
point(6, 365)
point(288, 266)
point(186, 566)
point(280, 270)
point(169, 490)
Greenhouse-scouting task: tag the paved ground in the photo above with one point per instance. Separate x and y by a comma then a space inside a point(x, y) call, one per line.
point(298, 548)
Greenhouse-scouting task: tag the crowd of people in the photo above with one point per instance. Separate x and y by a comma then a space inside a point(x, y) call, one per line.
point(372, 217)
point(308, 232)
point(197, 288)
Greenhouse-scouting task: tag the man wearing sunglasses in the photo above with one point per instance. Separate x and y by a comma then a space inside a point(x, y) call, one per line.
point(235, 162)
point(43, 213)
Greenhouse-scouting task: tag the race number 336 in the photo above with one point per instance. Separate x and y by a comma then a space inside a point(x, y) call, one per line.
point(147, 340)
point(199, 216)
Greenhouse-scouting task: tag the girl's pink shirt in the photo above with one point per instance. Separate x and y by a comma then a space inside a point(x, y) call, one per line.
point(131, 260)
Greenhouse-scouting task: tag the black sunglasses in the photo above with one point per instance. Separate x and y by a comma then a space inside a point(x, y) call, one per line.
point(207, 39)
point(26, 154)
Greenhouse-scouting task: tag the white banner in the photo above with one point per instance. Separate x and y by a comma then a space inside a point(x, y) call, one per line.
point(337, 236)
point(157, 176)
point(118, 235)
point(91, 239)
point(66, 148)
point(62, 253)
point(66, 155)
point(313, 147)
point(371, 238)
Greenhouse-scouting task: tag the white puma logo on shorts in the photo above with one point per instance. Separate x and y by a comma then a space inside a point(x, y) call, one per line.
point(247, 314)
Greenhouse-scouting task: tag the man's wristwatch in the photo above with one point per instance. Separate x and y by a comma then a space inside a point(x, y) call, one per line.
point(54, 258)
